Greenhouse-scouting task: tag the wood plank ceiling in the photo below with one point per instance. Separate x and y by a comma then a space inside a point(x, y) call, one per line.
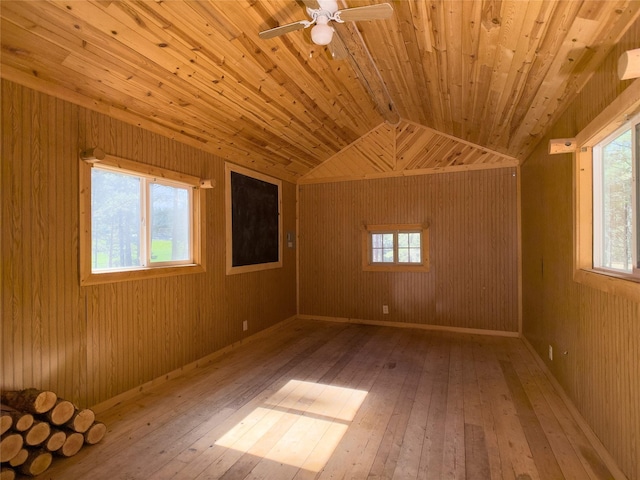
point(494, 74)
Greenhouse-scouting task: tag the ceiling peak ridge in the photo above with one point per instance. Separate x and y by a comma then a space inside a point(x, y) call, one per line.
point(461, 140)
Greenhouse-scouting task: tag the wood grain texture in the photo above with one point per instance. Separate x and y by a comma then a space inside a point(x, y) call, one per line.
point(599, 331)
point(328, 400)
point(472, 219)
point(494, 73)
point(407, 149)
point(90, 344)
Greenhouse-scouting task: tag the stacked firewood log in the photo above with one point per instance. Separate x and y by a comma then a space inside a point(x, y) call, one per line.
point(36, 425)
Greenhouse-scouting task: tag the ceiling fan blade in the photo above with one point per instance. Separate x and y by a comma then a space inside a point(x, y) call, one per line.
point(379, 11)
point(337, 48)
point(282, 29)
point(312, 4)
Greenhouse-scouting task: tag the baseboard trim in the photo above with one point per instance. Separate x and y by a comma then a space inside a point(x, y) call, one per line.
point(201, 362)
point(420, 326)
point(609, 461)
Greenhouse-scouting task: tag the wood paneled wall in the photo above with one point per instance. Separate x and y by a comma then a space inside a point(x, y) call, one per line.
point(90, 344)
point(473, 281)
point(600, 332)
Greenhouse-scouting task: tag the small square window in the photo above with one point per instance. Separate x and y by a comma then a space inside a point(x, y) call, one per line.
point(409, 247)
point(395, 247)
point(382, 248)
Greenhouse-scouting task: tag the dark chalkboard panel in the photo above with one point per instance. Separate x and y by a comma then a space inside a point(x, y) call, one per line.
point(255, 220)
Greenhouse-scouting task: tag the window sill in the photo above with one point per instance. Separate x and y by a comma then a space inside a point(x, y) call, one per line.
point(622, 285)
point(395, 268)
point(140, 274)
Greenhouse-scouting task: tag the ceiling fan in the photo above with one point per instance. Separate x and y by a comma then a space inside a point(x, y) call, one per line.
point(327, 11)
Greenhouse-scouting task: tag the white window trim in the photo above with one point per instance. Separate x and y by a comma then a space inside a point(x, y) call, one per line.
point(164, 269)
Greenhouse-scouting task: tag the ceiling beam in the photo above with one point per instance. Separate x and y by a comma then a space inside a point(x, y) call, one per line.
point(367, 71)
point(350, 40)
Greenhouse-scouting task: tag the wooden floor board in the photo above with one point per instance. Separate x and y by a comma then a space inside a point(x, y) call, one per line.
point(579, 448)
point(559, 444)
point(361, 443)
point(409, 458)
point(481, 358)
point(331, 400)
point(384, 464)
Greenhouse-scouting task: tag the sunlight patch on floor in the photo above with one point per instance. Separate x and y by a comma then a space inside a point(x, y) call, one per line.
point(299, 425)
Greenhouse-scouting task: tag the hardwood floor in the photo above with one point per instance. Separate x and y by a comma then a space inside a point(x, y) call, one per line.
point(328, 400)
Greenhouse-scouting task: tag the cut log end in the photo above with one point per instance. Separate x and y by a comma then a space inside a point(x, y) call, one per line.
point(30, 400)
point(24, 423)
point(72, 445)
point(81, 420)
point(21, 421)
point(95, 433)
point(37, 462)
point(10, 445)
point(6, 420)
point(20, 458)
point(7, 473)
point(37, 434)
point(61, 413)
point(56, 440)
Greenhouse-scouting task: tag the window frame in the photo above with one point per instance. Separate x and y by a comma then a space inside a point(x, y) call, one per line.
point(164, 269)
point(367, 248)
point(630, 125)
point(613, 117)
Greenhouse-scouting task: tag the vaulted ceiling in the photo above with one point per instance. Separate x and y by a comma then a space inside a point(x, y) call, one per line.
point(440, 84)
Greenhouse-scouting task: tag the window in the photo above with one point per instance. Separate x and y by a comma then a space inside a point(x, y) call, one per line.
point(615, 200)
point(395, 247)
point(606, 199)
point(138, 221)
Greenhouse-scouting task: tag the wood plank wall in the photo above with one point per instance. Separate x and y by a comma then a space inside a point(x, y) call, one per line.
point(473, 281)
point(600, 332)
point(90, 344)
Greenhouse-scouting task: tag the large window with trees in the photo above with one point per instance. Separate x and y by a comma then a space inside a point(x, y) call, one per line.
point(138, 221)
point(615, 200)
point(607, 198)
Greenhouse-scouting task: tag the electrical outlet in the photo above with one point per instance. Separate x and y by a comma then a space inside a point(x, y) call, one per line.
point(550, 353)
point(245, 325)
point(385, 309)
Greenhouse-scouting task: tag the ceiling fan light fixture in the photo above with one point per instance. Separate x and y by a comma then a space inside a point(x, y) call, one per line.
point(321, 33)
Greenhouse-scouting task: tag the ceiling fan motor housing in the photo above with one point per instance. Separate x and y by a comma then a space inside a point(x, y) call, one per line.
point(328, 5)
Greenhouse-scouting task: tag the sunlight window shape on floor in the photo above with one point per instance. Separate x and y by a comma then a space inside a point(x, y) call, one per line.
point(298, 426)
